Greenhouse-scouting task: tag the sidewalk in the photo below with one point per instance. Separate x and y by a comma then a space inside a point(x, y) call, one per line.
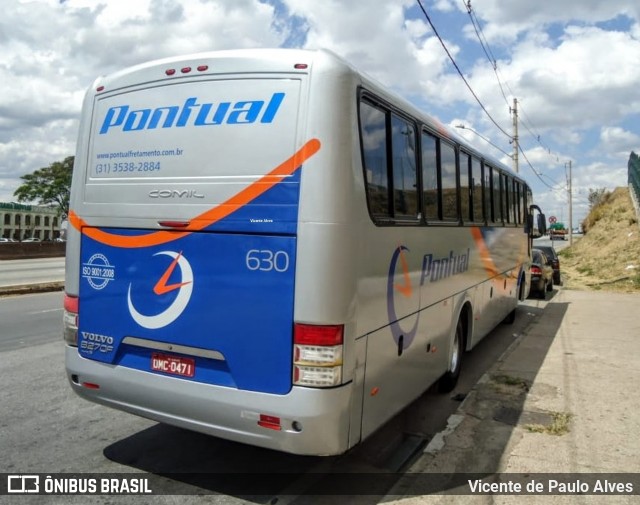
point(564, 398)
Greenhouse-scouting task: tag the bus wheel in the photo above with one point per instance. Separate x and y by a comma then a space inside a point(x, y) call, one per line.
point(449, 380)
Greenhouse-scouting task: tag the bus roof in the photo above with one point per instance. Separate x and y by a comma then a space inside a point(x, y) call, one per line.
point(275, 61)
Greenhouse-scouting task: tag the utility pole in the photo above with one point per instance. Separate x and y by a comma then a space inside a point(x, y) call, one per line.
point(516, 146)
point(570, 205)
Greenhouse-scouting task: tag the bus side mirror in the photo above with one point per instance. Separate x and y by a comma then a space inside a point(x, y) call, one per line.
point(540, 227)
point(542, 224)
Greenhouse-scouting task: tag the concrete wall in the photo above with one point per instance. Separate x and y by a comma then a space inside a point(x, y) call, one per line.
point(20, 250)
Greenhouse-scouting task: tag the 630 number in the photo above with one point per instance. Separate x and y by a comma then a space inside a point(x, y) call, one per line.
point(266, 260)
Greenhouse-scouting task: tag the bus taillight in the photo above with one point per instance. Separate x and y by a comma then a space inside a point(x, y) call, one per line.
point(317, 355)
point(70, 320)
point(271, 422)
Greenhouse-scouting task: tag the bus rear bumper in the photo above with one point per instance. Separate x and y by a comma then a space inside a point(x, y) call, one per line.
point(312, 421)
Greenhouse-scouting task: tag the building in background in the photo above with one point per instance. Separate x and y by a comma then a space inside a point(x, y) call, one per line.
point(20, 222)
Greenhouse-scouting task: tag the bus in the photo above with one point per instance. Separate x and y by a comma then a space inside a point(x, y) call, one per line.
point(269, 247)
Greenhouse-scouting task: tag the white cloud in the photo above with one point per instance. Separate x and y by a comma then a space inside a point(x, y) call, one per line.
point(53, 51)
point(444, 5)
point(574, 68)
point(589, 78)
point(506, 24)
point(416, 28)
point(614, 138)
point(376, 37)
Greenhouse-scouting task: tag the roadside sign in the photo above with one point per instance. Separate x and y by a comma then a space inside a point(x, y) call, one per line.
point(552, 219)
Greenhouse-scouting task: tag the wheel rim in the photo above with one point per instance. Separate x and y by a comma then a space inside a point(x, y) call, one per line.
point(455, 356)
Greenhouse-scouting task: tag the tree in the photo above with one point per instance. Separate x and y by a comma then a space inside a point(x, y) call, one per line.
point(597, 196)
point(48, 185)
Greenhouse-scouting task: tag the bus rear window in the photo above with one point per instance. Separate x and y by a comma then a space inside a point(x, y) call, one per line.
point(215, 128)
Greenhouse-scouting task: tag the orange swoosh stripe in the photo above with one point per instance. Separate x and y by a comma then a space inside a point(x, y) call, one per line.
point(405, 287)
point(487, 260)
point(209, 217)
point(485, 255)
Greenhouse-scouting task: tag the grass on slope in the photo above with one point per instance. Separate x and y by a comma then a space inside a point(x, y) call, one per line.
point(608, 256)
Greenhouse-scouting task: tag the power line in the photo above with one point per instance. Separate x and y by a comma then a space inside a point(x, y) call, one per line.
point(485, 46)
point(453, 61)
point(536, 136)
point(538, 175)
point(493, 61)
point(481, 38)
point(528, 124)
point(463, 127)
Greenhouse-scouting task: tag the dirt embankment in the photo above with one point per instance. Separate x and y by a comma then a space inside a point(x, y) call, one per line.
point(608, 256)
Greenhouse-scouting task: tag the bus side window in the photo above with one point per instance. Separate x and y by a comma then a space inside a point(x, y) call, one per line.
point(405, 181)
point(522, 212)
point(430, 184)
point(374, 147)
point(513, 202)
point(476, 190)
point(449, 183)
point(465, 193)
point(516, 198)
point(497, 196)
point(507, 187)
point(488, 193)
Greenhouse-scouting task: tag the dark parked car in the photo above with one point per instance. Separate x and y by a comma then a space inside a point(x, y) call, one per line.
point(541, 274)
point(553, 258)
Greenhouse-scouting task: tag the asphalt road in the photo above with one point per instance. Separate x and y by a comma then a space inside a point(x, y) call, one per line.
point(558, 245)
point(29, 320)
point(45, 428)
point(40, 270)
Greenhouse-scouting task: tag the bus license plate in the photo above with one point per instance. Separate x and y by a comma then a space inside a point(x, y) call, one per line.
point(174, 365)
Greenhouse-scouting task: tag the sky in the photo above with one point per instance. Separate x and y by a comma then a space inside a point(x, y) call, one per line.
point(573, 66)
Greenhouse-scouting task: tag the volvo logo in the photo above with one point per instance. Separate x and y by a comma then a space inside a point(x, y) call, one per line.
point(175, 193)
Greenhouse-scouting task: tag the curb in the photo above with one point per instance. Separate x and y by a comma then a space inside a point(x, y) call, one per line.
point(23, 289)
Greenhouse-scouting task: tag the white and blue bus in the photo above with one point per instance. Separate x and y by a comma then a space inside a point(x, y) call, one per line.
point(269, 247)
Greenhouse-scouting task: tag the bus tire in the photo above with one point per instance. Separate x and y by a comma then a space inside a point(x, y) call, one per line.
point(449, 380)
point(521, 296)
